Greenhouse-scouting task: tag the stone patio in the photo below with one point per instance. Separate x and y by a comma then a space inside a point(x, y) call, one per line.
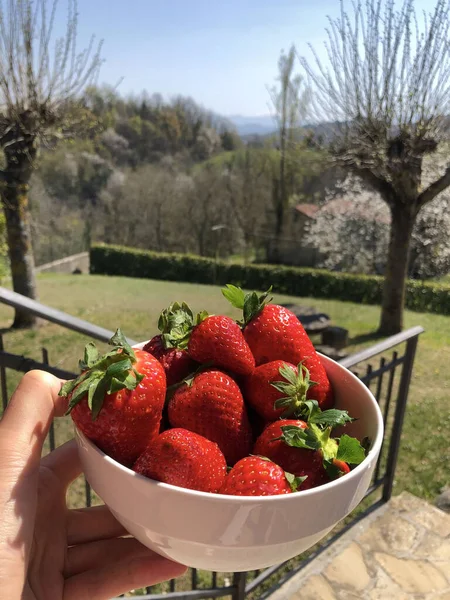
point(401, 551)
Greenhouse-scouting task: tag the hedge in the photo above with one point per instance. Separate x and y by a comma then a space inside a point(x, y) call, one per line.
point(293, 281)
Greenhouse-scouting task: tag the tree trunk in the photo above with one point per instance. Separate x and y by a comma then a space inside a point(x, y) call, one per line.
point(280, 195)
point(274, 254)
point(402, 224)
point(14, 194)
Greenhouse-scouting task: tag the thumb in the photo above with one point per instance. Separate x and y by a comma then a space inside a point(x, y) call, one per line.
point(27, 419)
point(23, 430)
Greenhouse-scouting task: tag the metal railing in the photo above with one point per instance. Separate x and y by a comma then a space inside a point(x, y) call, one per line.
point(385, 368)
point(55, 316)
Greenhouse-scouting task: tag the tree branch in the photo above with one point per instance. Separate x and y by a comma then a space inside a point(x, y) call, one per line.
point(383, 187)
point(3, 176)
point(434, 189)
point(377, 183)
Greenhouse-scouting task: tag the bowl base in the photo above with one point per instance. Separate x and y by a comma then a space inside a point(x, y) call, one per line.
point(220, 559)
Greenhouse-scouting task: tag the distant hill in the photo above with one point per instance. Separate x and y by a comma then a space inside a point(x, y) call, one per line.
point(262, 125)
point(254, 128)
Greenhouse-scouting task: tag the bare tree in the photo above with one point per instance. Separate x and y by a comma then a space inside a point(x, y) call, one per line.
point(289, 101)
point(387, 84)
point(39, 91)
point(247, 180)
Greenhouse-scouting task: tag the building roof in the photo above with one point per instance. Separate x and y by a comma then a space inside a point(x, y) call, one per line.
point(309, 210)
point(345, 205)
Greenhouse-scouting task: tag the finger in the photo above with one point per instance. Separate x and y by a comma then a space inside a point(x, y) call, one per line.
point(27, 419)
point(118, 577)
point(90, 524)
point(64, 462)
point(99, 554)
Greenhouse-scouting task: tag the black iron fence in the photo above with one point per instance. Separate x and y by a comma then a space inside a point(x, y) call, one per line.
point(386, 368)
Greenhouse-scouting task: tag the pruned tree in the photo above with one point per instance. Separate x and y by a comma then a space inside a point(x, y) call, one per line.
point(40, 87)
point(386, 83)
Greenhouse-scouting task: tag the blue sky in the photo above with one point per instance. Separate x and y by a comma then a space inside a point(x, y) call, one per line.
point(222, 53)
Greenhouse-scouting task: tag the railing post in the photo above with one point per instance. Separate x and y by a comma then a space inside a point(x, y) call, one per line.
point(51, 433)
point(400, 410)
point(4, 387)
point(239, 586)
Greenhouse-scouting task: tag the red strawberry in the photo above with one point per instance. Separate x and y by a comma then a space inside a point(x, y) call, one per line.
point(274, 333)
point(308, 449)
point(183, 458)
point(177, 363)
point(216, 340)
point(212, 405)
point(341, 466)
point(257, 476)
point(277, 389)
point(117, 401)
point(302, 462)
point(219, 340)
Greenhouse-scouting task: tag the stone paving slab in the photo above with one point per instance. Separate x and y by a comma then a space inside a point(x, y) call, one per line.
point(399, 552)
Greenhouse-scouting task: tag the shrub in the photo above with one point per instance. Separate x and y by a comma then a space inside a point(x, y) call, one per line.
point(295, 281)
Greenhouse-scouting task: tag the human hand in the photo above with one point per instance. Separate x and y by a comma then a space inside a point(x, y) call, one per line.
point(48, 552)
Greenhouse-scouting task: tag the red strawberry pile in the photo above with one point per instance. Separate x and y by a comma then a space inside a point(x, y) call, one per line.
point(217, 405)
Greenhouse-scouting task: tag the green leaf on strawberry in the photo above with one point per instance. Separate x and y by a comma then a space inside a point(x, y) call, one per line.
point(327, 418)
point(102, 375)
point(201, 316)
point(312, 438)
point(296, 437)
point(118, 340)
point(332, 469)
point(294, 482)
point(98, 397)
point(234, 295)
point(175, 324)
point(350, 450)
point(85, 383)
point(70, 385)
point(91, 356)
point(251, 304)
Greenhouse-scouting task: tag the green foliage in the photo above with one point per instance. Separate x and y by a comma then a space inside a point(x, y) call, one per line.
point(153, 128)
point(230, 140)
point(363, 289)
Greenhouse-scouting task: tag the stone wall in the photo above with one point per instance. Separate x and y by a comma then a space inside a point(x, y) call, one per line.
point(69, 264)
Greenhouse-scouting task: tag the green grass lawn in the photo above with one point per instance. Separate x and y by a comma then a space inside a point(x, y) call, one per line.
point(135, 304)
point(445, 279)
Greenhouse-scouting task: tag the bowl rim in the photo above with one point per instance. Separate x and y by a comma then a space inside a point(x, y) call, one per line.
point(354, 473)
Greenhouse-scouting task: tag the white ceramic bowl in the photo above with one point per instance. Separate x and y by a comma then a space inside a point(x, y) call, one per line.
point(234, 533)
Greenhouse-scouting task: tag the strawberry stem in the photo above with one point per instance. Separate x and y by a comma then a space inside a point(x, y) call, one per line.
point(175, 324)
point(294, 387)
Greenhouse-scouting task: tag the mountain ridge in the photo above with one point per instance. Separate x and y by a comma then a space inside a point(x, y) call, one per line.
point(257, 125)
